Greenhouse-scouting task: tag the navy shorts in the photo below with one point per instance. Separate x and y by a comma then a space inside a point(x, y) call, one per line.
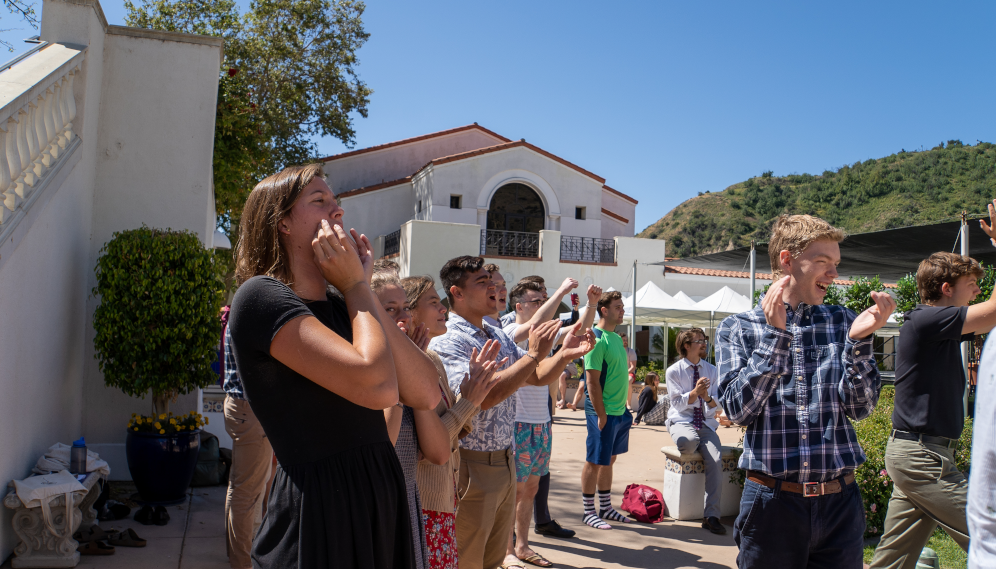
point(610, 441)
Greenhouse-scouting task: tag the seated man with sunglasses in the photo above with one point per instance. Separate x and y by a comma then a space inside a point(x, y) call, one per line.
point(692, 387)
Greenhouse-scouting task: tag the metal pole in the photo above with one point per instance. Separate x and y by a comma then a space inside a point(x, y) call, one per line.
point(632, 322)
point(667, 343)
point(753, 263)
point(965, 345)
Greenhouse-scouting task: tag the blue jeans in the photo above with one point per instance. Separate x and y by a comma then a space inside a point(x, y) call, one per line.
point(785, 529)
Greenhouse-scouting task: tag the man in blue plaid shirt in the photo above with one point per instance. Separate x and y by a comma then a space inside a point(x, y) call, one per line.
point(795, 372)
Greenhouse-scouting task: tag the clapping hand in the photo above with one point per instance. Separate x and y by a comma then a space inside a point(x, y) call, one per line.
point(577, 343)
point(874, 317)
point(482, 377)
point(418, 334)
point(701, 389)
point(989, 227)
point(542, 338)
point(338, 258)
point(773, 304)
point(365, 251)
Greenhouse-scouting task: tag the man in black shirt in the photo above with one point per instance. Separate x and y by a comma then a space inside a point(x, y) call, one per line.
point(929, 414)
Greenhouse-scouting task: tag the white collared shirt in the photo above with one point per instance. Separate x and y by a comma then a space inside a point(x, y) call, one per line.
point(680, 383)
point(982, 490)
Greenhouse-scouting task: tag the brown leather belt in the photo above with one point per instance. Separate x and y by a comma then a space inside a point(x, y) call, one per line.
point(808, 489)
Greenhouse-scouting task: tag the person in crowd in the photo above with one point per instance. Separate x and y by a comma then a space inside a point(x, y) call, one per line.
point(414, 433)
point(579, 394)
point(982, 493)
point(318, 366)
point(387, 266)
point(251, 462)
point(533, 420)
point(928, 416)
point(487, 465)
point(608, 420)
point(437, 483)
point(570, 371)
point(501, 295)
point(795, 372)
point(631, 367)
point(692, 387)
point(648, 397)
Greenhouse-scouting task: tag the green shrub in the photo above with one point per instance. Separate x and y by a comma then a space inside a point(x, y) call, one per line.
point(157, 324)
point(876, 486)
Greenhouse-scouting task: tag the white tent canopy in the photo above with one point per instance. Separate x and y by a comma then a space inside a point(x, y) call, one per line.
point(654, 307)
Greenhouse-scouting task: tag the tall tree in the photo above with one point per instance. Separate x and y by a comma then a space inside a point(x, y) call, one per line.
point(289, 75)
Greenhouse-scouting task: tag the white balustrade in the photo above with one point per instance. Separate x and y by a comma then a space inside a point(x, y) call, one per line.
point(36, 127)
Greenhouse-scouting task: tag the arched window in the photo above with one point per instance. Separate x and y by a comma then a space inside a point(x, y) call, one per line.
point(516, 207)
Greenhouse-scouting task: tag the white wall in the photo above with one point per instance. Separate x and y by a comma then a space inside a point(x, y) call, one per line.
point(612, 227)
point(379, 212)
point(351, 171)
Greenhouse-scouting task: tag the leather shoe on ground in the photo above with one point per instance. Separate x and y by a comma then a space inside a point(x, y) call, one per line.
point(553, 529)
point(712, 524)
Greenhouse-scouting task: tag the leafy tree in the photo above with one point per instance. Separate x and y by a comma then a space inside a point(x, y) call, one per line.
point(907, 296)
point(857, 297)
point(289, 75)
point(21, 9)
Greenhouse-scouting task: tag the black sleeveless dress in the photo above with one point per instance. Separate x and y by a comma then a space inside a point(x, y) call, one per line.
point(338, 497)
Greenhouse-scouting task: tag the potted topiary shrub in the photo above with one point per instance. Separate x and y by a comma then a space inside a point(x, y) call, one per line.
point(157, 330)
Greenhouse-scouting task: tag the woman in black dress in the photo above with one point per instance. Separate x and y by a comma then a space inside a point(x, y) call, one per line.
point(648, 397)
point(318, 367)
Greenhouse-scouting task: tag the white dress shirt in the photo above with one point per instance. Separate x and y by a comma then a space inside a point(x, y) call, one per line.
point(680, 383)
point(982, 488)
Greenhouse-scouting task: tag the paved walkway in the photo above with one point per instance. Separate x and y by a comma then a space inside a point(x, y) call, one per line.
point(195, 536)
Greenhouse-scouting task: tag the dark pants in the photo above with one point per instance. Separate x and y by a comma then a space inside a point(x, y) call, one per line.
point(784, 529)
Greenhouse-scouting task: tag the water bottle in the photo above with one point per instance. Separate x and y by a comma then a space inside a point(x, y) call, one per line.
point(77, 457)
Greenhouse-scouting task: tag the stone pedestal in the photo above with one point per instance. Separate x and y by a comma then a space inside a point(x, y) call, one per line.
point(39, 546)
point(684, 484)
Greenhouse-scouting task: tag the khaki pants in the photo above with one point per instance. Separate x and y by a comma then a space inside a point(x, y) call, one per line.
point(928, 491)
point(487, 507)
point(251, 461)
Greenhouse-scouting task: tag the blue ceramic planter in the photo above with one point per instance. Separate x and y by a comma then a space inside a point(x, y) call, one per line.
point(162, 465)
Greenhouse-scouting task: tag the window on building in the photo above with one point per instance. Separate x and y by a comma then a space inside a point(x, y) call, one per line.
point(579, 213)
point(418, 207)
point(455, 202)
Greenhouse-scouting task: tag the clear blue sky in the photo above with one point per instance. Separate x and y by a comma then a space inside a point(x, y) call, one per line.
point(667, 99)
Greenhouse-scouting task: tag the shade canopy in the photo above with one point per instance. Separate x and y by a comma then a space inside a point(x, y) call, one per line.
point(890, 254)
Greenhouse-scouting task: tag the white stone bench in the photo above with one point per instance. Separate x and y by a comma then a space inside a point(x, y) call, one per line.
point(684, 484)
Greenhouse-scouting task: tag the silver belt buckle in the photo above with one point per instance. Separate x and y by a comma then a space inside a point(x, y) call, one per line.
point(812, 489)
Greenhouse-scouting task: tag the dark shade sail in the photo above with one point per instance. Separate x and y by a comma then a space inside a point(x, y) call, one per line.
point(890, 254)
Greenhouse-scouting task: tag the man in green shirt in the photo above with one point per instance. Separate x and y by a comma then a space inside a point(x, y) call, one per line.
point(606, 368)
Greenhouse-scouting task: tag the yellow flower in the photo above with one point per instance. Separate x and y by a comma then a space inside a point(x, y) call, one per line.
point(162, 432)
point(206, 420)
point(180, 428)
point(136, 428)
point(172, 421)
point(157, 425)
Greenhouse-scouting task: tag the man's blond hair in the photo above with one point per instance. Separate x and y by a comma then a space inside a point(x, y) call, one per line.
point(793, 233)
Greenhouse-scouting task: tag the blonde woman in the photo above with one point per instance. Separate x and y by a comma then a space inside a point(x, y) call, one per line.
point(437, 484)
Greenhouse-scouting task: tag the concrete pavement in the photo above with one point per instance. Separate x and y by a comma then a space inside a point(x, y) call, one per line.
point(195, 536)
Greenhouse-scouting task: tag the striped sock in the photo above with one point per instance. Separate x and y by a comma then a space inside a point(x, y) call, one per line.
point(590, 516)
point(606, 510)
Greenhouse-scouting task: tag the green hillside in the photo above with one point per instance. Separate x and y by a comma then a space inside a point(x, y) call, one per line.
point(907, 188)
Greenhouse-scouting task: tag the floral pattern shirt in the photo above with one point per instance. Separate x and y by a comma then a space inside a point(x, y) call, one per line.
point(795, 390)
point(494, 429)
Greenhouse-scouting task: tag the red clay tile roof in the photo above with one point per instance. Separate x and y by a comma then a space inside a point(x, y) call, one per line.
point(620, 194)
point(412, 140)
point(740, 275)
point(374, 187)
point(614, 215)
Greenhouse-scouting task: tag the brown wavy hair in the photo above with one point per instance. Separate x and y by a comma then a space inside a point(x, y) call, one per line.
point(941, 268)
point(415, 287)
point(259, 250)
point(686, 336)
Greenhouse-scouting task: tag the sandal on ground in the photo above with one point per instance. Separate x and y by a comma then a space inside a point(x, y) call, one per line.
point(92, 534)
point(95, 547)
point(126, 538)
point(511, 565)
point(160, 517)
point(538, 560)
point(144, 516)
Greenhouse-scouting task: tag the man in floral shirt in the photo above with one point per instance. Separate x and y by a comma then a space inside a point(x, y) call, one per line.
point(487, 461)
point(795, 372)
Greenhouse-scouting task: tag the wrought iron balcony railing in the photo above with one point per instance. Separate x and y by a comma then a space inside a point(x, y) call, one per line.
point(509, 243)
point(392, 243)
point(587, 249)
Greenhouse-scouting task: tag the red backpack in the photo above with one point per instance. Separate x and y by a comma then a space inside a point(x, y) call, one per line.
point(644, 503)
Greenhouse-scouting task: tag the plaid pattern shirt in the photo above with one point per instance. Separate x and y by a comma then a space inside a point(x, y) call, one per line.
point(795, 389)
point(233, 383)
point(494, 428)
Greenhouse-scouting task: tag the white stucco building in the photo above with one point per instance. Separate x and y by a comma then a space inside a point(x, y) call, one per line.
point(102, 128)
point(471, 191)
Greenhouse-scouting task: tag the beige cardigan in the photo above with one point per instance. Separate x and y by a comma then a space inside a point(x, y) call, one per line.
point(437, 483)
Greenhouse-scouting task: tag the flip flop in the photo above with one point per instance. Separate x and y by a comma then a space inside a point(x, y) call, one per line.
point(538, 560)
point(126, 538)
point(95, 548)
point(511, 566)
